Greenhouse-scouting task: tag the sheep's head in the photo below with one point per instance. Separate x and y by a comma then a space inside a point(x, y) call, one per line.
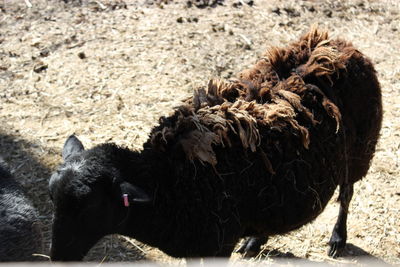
point(91, 199)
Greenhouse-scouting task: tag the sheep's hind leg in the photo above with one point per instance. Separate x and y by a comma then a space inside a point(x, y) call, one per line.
point(251, 246)
point(339, 234)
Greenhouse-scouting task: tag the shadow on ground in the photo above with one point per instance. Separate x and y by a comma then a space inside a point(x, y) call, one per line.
point(355, 253)
point(351, 255)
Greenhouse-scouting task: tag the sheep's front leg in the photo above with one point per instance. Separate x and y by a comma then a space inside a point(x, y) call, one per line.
point(252, 245)
point(339, 234)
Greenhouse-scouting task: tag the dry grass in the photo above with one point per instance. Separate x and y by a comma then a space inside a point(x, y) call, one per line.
point(107, 75)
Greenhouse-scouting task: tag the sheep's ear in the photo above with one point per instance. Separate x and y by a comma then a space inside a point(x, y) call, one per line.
point(71, 147)
point(133, 194)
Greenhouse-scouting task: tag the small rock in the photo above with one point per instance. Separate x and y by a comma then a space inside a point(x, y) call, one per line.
point(118, 5)
point(12, 54)
point(45, 52)
point(249, 2)
point(82, 55)
point(292, 12)
point(311, 9)
point(240, 3)
point(277, 11)
point(218, 27)
point(237, 4)
point(328, 13)
point(179, 20)
point(48, 18)
point(204, 3)
point(192, 19)
point(39, 67)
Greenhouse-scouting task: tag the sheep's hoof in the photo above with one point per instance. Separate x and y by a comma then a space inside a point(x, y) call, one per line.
point(251, 246)
point(337, 245)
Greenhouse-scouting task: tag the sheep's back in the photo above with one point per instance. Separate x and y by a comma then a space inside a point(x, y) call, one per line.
point(280, 137)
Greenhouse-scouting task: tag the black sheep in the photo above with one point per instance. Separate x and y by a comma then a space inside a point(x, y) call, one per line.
point(257, 156)
point(20, 228)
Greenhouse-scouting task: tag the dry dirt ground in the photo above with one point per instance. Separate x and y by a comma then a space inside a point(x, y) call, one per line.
point(106, 70)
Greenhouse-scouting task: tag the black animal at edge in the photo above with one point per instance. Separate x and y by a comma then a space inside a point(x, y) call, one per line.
point(20, 227)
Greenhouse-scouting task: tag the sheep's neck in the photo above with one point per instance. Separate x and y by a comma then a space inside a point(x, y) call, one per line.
point(152, 172)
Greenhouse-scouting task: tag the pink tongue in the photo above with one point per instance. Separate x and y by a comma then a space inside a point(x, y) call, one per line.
point(126, 202)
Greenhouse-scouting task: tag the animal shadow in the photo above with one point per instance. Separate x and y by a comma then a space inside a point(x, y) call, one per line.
point(355, 253)
point(352, 254)
point(19, 156)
